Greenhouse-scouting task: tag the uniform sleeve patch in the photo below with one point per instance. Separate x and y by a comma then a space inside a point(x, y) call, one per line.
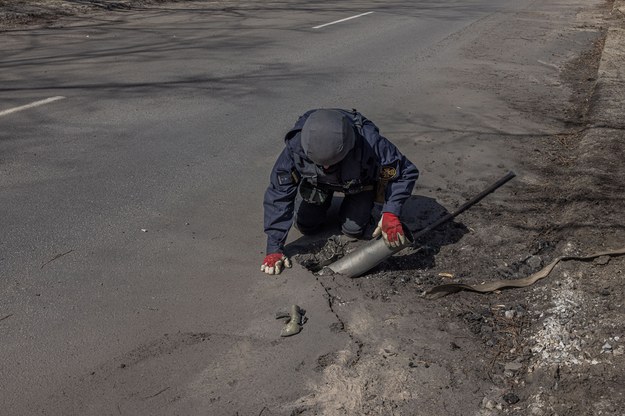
point(388, 173)
point(285, 178)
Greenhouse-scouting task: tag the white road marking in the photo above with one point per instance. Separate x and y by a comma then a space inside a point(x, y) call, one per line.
point(342, 20)
point(31, 105)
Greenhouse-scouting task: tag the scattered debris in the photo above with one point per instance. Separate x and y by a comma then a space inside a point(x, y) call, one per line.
point(492, 286)
point(333, 249)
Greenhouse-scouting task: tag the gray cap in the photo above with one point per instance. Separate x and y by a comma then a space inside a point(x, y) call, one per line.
point(327, 137)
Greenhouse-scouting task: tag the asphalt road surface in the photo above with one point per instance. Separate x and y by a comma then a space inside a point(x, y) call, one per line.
point(131, 200)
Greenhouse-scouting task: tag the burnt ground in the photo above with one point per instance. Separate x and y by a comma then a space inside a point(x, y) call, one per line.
point(554, 348)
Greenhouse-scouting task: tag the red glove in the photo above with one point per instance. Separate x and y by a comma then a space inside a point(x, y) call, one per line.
point(274, 263)
point(391, 230)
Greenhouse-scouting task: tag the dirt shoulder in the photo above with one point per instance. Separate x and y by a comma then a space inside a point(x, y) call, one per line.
point(575, 361)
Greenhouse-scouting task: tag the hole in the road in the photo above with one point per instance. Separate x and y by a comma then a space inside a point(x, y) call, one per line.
point(323, 254)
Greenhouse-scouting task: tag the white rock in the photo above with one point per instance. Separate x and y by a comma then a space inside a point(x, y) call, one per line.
point(488, 404)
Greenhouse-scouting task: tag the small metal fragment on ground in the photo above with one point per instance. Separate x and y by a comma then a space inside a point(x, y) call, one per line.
point(294, 320)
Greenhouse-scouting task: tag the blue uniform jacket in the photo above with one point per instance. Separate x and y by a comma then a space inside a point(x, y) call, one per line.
point(375, 156)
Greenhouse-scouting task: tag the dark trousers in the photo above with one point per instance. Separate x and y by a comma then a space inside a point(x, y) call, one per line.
point(354, 214)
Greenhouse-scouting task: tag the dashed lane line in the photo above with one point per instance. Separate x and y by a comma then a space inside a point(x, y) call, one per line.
point(342, 20)
point(31, 105)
